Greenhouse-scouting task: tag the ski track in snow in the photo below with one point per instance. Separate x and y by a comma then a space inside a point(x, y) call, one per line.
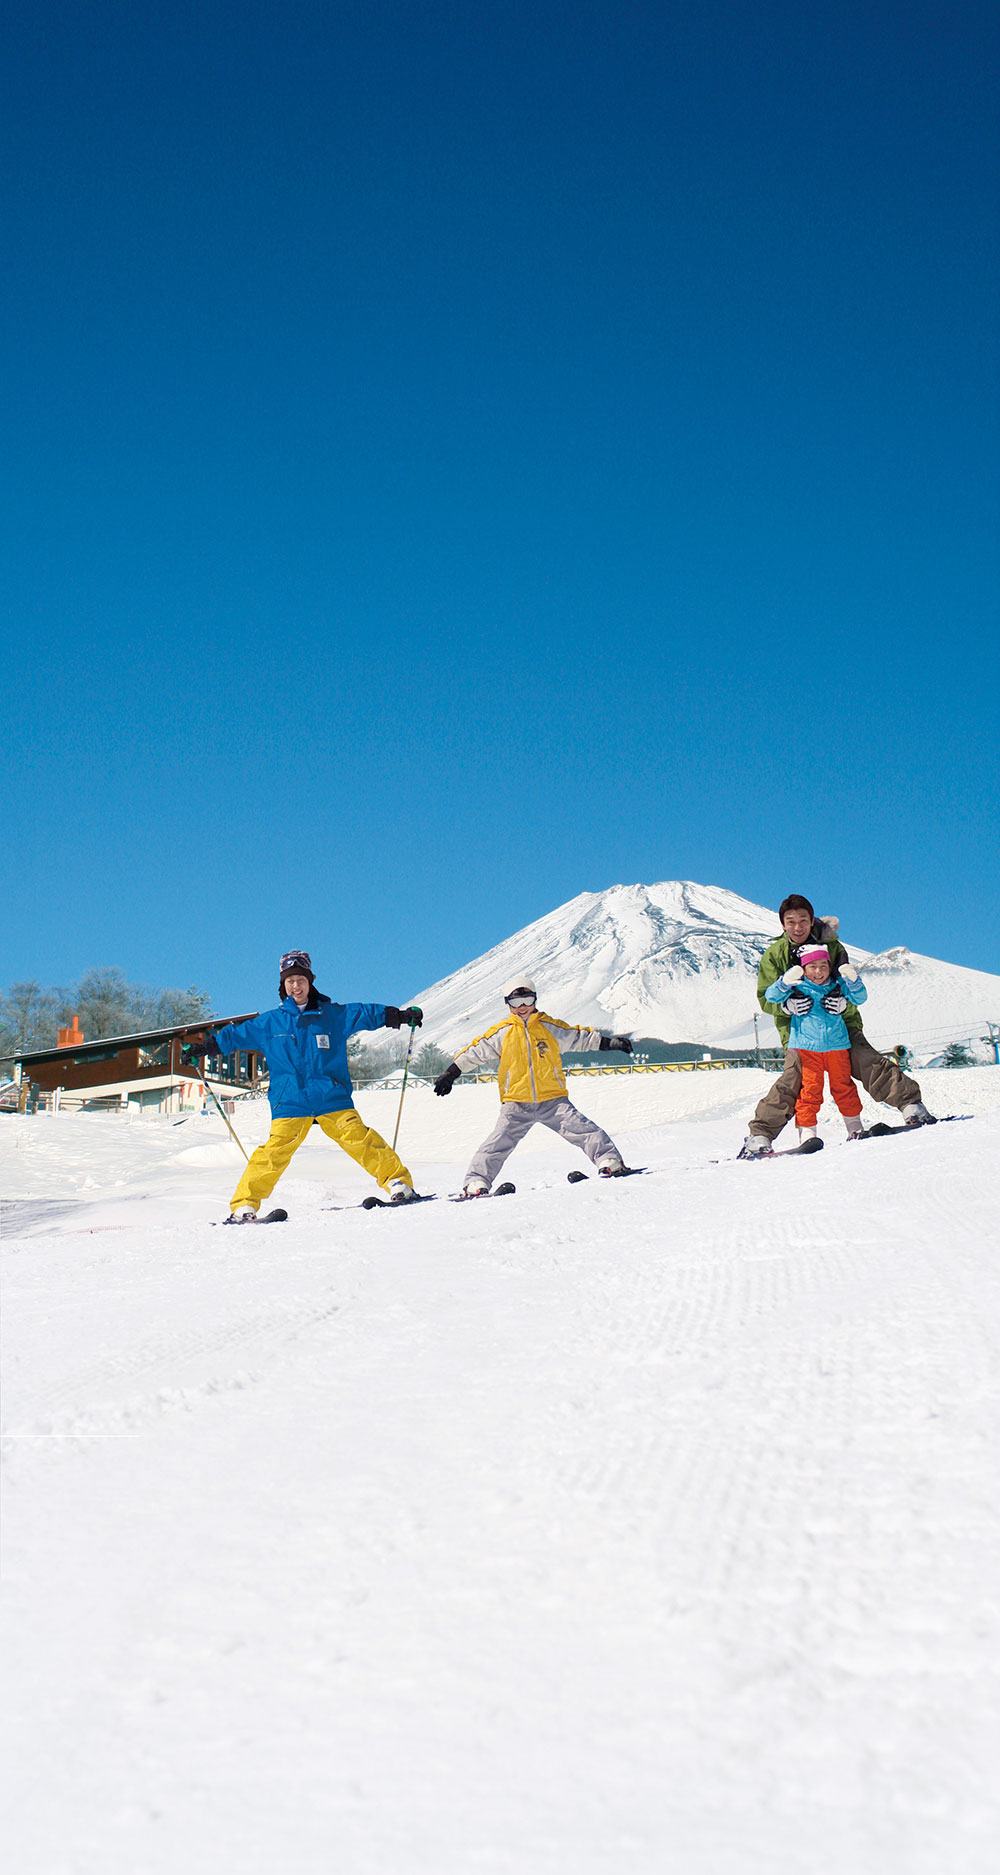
point(624, 1527)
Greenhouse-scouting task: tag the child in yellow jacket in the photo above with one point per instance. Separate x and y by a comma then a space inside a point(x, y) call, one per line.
point(527, 1049)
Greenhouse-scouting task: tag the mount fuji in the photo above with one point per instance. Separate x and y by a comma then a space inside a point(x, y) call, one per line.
point(678, 961)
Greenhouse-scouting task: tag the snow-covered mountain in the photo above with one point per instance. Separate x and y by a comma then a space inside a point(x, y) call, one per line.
point(679, 961)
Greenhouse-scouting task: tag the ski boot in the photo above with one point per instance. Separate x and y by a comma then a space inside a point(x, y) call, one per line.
point(756, 1146)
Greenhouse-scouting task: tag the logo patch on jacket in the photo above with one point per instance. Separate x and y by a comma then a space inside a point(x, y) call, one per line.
point(543, 1048)
point(322, 1041)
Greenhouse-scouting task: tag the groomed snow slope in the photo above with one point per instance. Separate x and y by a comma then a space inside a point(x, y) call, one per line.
point(629, 1528)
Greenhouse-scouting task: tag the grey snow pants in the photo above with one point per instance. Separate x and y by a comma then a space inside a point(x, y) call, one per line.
point(517, 1117)
point(880, 1076)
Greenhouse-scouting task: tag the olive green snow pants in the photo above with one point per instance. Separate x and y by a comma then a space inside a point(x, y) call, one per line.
point(880, 1076)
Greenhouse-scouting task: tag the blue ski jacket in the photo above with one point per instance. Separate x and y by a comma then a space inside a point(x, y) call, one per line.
point(306, 1052)
point(818, 1031)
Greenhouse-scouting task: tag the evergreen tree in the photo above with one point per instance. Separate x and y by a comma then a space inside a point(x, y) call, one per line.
point(429, 1062)
point(375, 1060)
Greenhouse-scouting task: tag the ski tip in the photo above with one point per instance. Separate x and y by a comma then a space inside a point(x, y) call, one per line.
point(575, 1178)
point(811, 1145)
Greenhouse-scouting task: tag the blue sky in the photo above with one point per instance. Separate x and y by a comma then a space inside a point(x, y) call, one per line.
point(459, 457)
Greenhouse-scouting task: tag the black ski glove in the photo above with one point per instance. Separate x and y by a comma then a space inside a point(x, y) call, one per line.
point(621, 1043)
point(195, 1046)
point(446, 1081)
point(797, 1004)
point(834, 1002)
point(399, 1018)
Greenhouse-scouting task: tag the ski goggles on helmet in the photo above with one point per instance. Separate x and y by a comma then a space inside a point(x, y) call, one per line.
point(520, 996)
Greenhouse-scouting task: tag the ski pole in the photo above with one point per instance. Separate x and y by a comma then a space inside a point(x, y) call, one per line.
point(196, 1063)
point(402, 1090)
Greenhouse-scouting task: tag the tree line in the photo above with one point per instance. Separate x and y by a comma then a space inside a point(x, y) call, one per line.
point(375, 1059)
point(105, 1003)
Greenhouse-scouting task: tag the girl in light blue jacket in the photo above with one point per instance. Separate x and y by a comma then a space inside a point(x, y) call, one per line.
point(815, 1001)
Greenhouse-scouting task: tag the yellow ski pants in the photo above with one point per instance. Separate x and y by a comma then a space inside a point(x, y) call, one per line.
point(346, 1128)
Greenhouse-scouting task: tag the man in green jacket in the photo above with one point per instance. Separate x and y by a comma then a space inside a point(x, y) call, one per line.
point(880, 1076)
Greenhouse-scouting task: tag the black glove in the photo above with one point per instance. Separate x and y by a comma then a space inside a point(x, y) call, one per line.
point(796, 1004)
point(621, 1043)
point(446, 1081)
point(194, 1046)
point(834, 1002)
point(398, 1018)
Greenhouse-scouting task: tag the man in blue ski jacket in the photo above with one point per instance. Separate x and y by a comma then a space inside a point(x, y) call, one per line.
point(305, 1043)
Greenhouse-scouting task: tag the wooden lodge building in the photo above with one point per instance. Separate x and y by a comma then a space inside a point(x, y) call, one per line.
point(134, 1070)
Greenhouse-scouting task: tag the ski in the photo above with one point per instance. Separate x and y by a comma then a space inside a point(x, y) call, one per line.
point(627, 1171)
point(372, 1203)
point(270, 1217)
point(506, 1190)
point(782, 1152)
point(882, 1129)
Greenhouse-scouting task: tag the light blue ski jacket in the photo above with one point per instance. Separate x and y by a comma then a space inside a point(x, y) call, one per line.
point(306, 1052)
point(818, 1031)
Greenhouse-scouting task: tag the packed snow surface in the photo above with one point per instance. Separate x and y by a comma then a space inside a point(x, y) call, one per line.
point(679, 961)
point(618, 1529)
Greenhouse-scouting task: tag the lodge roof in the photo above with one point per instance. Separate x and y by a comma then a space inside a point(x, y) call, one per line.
point(77, 1051)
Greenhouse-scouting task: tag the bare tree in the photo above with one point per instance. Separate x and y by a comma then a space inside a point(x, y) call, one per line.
point(29, 1018)
point(106, 1004)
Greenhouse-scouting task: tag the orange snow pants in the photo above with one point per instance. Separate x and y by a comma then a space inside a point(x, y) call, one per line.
point(837, 1064)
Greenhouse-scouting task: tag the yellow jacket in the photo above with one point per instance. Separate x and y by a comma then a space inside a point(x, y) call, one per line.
point(528, 1054)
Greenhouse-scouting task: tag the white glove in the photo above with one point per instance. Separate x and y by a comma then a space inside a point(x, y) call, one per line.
point(848, 971)
point(793, 974)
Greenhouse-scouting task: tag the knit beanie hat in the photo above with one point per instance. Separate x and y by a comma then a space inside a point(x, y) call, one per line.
point(294, 964)
point(813, 954)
